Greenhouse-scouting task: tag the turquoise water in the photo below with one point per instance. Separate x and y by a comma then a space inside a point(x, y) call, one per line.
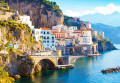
point(87, 70)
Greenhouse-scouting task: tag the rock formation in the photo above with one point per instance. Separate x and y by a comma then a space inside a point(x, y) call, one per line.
point(40, 15)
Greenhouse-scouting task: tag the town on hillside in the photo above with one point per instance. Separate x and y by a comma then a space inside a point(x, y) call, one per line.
point(26, 48)
point(67, 40)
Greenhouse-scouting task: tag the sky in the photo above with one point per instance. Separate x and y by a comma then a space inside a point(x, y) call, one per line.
point(78, 8)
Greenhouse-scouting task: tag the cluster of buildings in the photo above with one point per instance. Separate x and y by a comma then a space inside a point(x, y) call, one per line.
point(101, 34)
point(65, 38)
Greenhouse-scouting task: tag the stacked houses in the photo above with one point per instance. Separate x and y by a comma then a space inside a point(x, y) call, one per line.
point(70, 40)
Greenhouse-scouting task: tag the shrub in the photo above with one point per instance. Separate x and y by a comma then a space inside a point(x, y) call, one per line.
point(0, 26)
point(31, 39)
point(31, 58)
point(4, 76)
point(4, 23)
point(1, 1)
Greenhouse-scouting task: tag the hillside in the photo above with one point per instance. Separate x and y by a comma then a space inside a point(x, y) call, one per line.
point(18, 34)
point(43, 13)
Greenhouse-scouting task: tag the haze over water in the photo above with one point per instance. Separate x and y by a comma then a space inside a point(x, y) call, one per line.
point(87, 70)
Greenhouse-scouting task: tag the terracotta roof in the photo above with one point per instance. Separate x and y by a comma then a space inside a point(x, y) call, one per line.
point(85, 30)
point(43, 28)
point(69, 37)
point(77, 30)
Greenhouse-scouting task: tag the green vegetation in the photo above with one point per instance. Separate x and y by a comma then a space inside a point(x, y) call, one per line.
point(3, 6)
point(48, 4)
point(67, 18)
point(103, 43)
point(31, 39)
point(1, 1)
point(14, 29)
point(69, 21)
point(4, 76)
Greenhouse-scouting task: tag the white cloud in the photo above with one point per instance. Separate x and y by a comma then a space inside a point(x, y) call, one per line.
point(109, 9)
point(71, 13)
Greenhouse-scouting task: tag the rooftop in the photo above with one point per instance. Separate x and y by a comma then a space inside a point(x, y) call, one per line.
point(85, 30)
point(43, 28)
point(69, 38)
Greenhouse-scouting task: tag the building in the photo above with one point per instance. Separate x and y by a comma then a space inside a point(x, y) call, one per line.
point(59, 34)
point(60, 31)
point(76, 33)
point(82, 25)
point(60, 27)
point(44, 34)
point(69, 41)
point(101, 33)
point(60, 42)
point(95, 33)
point(26, 20)
point(88, 25)
point(86, 37)
point(72, 29)
point(75, 19)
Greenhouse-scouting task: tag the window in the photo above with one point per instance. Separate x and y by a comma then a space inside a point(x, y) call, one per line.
point(44, 32)
point(47, 41)
point(52, 37)
point(52, 44)
point(41, 32)
point(33, 31)
point(48, 32)
point(41, 36)
point(52, 41)
point(44, 41)
point(47, 37)
point(44, 37)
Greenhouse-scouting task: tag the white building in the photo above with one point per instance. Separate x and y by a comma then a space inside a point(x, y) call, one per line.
point(101, 33)
point(59, 27)
point(88, 25)
point(26, 20)
point(69, 41)
point(95, 33)
point(72, 28)
point(44, 34)
point(86, 37)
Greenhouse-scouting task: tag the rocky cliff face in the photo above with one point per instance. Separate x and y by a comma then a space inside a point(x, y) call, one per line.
point(40, 15)
point(106, 47)
point(104, 44)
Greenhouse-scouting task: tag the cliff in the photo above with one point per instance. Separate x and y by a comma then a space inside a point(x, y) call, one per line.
point(40, 14)
point(19, 35)
point(104, 44)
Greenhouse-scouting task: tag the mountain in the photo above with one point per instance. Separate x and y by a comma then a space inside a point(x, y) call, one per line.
point(43, 13)
point(112, 33)
point(109, 19)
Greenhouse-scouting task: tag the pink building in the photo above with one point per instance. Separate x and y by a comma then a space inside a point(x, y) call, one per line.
point(75, 19)
point(76, 33)
point(60, 35)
